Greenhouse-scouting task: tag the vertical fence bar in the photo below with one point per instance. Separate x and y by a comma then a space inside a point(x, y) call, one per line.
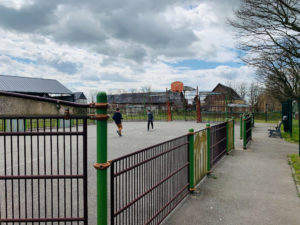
point(208, 147)
point(101, 158)
point(85, 172)
point(241, 126)
point(266, 118)
point(244, 133)
point(227, 136)
point(191, 159)
point(290, 116)
point(233, 123)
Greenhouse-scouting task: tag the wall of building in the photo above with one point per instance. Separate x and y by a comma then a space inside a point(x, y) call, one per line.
point(20, 106)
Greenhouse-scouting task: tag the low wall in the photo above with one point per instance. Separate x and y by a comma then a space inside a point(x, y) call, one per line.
point(21, 106)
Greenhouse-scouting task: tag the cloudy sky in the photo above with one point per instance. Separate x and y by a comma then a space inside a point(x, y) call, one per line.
point(111, 45)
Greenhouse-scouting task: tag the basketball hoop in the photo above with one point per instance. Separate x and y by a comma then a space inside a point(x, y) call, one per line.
point(177, 86)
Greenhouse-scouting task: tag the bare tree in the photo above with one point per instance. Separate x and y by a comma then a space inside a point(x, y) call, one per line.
point(241, 89)
point(269, 32)
point(121, 91)
point(93, 95)
point(146, 89)
point(254, 91)
point(133, 90)
point(281, 76)
point(147, 92)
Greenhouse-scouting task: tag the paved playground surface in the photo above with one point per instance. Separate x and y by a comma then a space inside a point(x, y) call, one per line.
point(254, 186)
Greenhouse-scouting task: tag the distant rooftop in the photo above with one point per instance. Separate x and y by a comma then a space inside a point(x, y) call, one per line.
point(32, 85)
point(141, 98)
point(79, 95)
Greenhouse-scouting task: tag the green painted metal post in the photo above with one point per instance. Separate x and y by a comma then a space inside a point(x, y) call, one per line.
point(290, 116)
point(244, 133)
point(241, 126)
point(208, 147)
point(233, 123)
point(101, 158)
point(227, 141)
point(192, 160)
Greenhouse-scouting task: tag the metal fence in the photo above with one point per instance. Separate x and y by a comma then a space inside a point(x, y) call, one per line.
point(147, 185)
point(200, 155)
point(176, 114)
point(218, 142)
point(25, 124)
point(43, 170)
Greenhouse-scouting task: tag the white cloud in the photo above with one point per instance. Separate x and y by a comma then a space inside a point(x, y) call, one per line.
point(109, 45)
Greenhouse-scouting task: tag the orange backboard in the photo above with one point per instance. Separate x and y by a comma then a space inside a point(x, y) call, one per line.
point(177, 86)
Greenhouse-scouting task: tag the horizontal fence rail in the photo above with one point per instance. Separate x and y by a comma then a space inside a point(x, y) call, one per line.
point(217, 142)
point(147, 185)
point(43, 170)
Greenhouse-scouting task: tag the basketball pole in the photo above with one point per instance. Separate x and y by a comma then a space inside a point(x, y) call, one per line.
point(199, 119)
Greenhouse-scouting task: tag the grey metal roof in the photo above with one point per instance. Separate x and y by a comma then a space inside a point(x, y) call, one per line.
point(188, 88)
point(79, 95)
point(31, 85)
point(141, 98)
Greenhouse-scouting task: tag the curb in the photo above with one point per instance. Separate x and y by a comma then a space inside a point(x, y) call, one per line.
point(296, 181)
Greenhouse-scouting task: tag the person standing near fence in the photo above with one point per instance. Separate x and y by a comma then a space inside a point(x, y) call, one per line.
point(117, 117)
point(150, 119)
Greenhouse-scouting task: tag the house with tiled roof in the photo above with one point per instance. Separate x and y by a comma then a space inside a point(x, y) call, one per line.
point(222, 95)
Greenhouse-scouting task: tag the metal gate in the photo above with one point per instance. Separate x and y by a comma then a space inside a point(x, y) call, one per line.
point(43, 170)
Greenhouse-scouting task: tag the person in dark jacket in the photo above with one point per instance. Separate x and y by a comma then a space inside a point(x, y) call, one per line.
point(150, 119)
point(117, 117)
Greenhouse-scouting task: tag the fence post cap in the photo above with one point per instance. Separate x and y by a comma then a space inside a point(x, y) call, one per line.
point(191, 130)
point(208, 125)
point(101, 97)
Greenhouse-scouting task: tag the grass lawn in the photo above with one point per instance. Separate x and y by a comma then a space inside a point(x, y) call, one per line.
point(269, 121)
point(295, 134)
point(295, 163)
